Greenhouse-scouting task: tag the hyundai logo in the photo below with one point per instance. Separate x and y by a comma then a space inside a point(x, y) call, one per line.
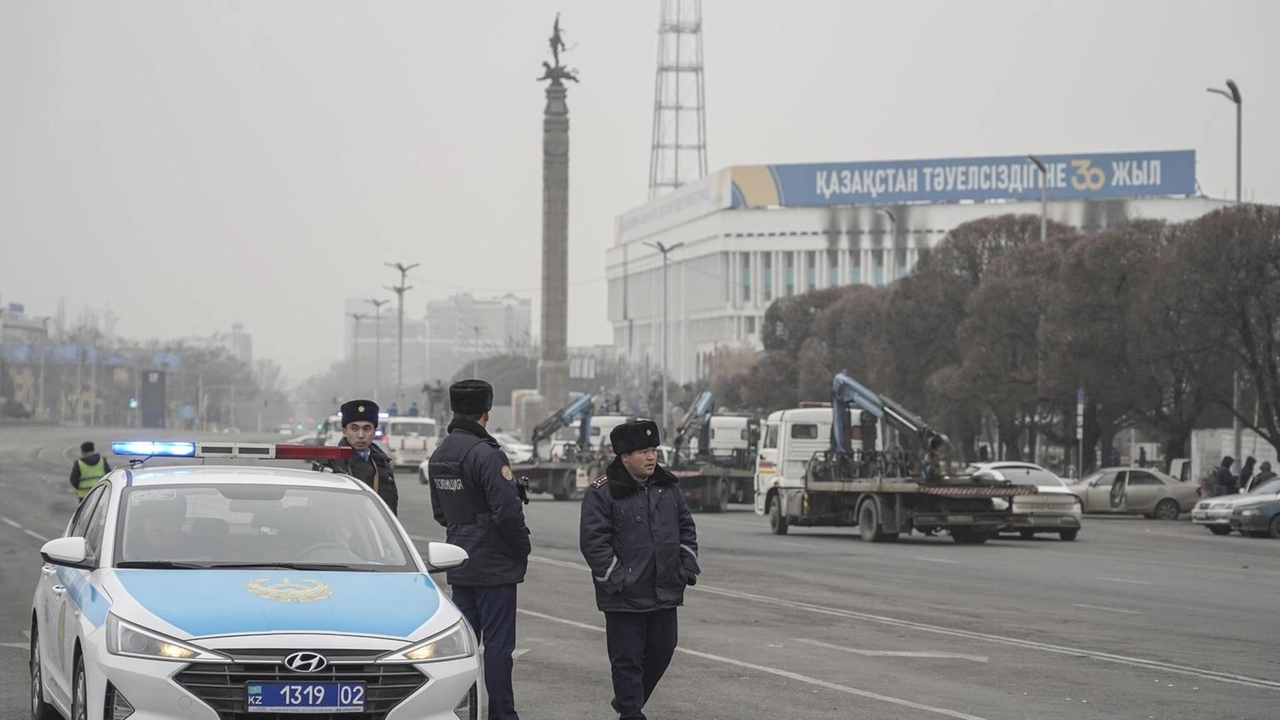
point(306, 662)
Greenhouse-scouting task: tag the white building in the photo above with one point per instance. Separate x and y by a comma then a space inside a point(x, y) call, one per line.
point(462, 328)
point(372, 338)
point(748, 235)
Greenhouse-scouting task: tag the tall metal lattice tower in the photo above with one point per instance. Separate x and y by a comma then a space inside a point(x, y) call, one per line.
point(679, 150)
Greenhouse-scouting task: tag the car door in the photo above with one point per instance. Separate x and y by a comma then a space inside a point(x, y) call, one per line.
point(59, 616)
point(1098, 494)
point(1117, 498)
point(766, 464)
point(1143, 490)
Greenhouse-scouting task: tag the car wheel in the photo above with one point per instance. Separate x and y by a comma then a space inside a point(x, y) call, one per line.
point(1027, 534)
point(80, 699)
point(1069, 535)
point(1219, 530)
point(869, 524)
point(1275, 527)
point(40, 710)
point(1167, 509)
point(777, 523)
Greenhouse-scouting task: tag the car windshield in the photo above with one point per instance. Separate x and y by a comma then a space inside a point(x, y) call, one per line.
point(257, 525)
point(1269, 487)
point(1091, 478)
point(1030, 476)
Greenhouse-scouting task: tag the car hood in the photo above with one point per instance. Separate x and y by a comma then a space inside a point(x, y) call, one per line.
point(201, 603)
point(1239, 501)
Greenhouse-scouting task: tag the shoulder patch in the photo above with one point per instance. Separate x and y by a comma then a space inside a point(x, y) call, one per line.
point(600, 482)
point(507, 474)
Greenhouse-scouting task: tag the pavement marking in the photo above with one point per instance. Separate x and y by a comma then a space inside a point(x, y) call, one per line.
point(894, 653)
point(30, 533)
point(515, 654)
point(16, 646)
point(1144, 663)
point(1123, 580)
point(1099, 607)
point(937, 560)
point(780, 673)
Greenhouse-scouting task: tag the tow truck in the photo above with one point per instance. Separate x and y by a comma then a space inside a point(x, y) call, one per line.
point(810, 473)
point(576, 464)
point(714, 470)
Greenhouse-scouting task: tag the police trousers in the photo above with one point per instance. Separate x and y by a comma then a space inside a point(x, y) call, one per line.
point(491, 611)
point(640, 648)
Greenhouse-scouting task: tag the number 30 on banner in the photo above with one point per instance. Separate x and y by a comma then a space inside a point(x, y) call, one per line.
point(1086, 177)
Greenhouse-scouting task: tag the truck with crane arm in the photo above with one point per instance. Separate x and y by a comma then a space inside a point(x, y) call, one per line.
point(714, 456)
point(817, 468)
point(568, 467)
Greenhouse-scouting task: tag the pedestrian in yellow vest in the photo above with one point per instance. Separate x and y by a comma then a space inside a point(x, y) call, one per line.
point(88, 470)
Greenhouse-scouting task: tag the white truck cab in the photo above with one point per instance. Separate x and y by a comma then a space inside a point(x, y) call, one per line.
point(788, 441)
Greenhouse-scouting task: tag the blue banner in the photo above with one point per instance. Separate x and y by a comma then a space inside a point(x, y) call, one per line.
point(1097, 175)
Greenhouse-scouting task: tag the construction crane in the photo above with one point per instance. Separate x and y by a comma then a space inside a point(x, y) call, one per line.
point(696, 422)
point(580, 410)
point(846, 393)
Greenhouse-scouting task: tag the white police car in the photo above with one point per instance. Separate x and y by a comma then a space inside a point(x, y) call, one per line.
point(235, 591)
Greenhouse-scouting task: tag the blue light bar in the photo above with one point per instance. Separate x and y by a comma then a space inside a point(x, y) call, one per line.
point(148, 448)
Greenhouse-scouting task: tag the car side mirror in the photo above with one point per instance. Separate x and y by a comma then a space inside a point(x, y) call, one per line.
point(66, 551)
point(444, 556)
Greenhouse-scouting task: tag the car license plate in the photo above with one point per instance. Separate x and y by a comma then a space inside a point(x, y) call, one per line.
point(303, 697)
point(1199, 515)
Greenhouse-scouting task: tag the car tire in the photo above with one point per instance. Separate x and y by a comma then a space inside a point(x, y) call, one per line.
point(1167, 509)
point(80, 696)
point(722, 499)
point(1275, 527)
point(1219, 530)
point(869, 524)
point(777, 521)
point(1069, 535)
point(40, 710)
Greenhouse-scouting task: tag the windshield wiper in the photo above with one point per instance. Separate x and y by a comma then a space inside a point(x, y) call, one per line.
point(290, 566)
point(161, 565)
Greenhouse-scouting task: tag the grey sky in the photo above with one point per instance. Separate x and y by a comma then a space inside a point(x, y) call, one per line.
point(194, 164)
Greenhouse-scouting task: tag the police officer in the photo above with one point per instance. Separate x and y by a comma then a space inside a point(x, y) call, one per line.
point(475, 496)
point(367, 462)
point(638, 537)
point(88, 470)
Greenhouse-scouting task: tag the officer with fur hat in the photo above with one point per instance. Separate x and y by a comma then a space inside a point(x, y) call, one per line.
point(638, 537)
point(475, 496)
point(367, 462)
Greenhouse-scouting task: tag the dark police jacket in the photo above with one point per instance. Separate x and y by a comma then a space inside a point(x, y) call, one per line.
point(377, 466)
point(641, 545)
point(474, 495)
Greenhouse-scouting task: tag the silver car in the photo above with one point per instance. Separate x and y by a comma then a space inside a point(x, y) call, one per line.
point(1052, 509)
point(1139, 491)
point(1215, 513)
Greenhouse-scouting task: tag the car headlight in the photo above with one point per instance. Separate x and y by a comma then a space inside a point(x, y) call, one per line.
point(125, 638)
point(451, 644)
point(1251, 512)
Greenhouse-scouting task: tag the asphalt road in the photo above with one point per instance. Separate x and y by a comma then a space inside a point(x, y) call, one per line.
point(1138, 619)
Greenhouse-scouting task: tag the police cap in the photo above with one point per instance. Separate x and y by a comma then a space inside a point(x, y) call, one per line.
point(471, 397)
point(634, 435)
point(359, 411)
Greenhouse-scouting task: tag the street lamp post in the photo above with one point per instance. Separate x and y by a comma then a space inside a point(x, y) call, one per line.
point(665, 250)
point(377, 344)
point(1044, 194)
point(1232, 93)
point(355, 350)
point(399, 290)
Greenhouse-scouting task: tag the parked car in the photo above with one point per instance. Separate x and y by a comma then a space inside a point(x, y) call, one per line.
point(1261, 520)
point(516, 450)
point(1136, 490)
point(1052, 509)
point(1215, 513)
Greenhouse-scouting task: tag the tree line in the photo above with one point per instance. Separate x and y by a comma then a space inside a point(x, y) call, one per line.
point(1150, 319)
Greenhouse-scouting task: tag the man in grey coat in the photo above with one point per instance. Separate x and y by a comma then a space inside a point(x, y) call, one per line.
point(638, 537)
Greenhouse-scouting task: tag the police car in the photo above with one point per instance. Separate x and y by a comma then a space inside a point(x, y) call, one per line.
point(243, 591)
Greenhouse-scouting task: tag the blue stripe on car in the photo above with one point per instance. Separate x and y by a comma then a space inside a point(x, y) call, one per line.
point(92, 602)
point(229, 602)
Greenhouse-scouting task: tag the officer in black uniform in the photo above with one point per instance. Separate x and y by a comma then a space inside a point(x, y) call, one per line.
point(638, 537)
point(475, 496)
point(367, 461)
